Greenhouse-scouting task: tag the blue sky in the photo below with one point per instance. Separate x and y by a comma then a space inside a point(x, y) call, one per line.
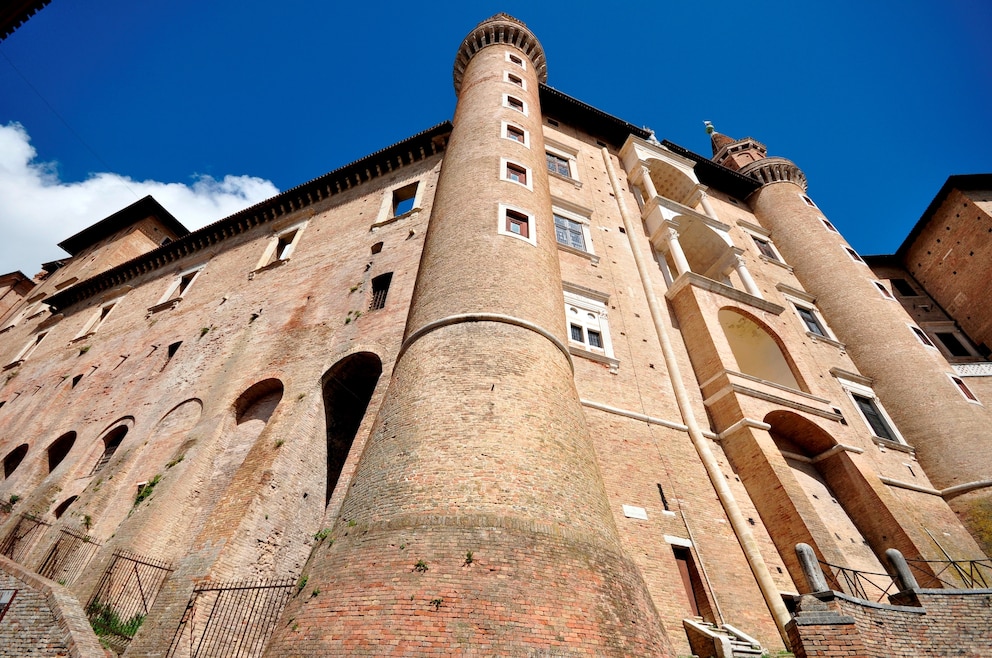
point(211, 106)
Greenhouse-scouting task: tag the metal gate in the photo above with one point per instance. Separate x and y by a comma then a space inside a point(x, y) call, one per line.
point(230, 620)
point(125, 594)
point(68, 555)
point(22, 537)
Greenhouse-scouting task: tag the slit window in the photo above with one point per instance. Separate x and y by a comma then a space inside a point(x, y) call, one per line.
point(516, 60)
point(922, 336)
point(883, 290)
point(963, 388)
point(515, 80)
point(380, 289)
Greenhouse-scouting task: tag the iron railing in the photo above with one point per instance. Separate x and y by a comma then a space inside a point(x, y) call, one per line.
point(20, 540)
point(956, 574)
point(232, 620)
point(865, 585)
point(122, 600)
point(68, 555)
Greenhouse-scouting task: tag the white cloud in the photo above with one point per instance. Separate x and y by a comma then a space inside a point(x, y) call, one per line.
point(37, 210)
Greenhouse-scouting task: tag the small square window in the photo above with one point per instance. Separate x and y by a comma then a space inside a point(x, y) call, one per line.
point(516, 173)
point(765, 248)
point(515, 104)
point(514, 80)
point(595, 339)
point(516, 60)
point(558, 165)
point(404, 199)
point(518, 223)
point(380, 289)
point(963, 389)
point(516, 134)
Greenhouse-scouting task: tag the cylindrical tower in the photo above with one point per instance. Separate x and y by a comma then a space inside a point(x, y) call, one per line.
point(477, 520)
point(951, 435)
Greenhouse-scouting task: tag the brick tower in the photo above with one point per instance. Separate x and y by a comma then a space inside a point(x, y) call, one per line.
point(477, 519)
point(910, 376)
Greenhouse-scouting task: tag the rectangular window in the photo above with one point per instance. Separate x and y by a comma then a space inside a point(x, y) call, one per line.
point(811, 321)
point(516, 173)
point(873, 416)
point(404, 199)
point(518, 223)
point(903, 288)
point(284, 245)
point(516, 134)
point(588, 328)
point(514, 80)
point(569, 233)
point(830, 227)
point(765, 247)
point(922, 337)
point(963, 388)
point(6, 598)
point(953, 345)
point(515, 60)
point(558, 165)
point(380, 288)
point(882, 289)
point(30, 347)
point(515, 104)
point(808, 201)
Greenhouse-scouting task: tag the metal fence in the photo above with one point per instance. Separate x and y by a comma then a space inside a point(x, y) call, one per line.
point(122, 600)
point(230, 620)
point(22, 537)
point(865, 585)
point(68, 555)
point(955, 574)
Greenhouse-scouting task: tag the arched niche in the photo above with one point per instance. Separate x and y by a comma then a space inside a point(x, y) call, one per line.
point(111, 442)
point(841, 521)
point(252, 411)
point(14, 459)
point(61, 509)
point(59, 449)
point(670, 181)
point(707, 252)
point(757, 353)
point(347, 389)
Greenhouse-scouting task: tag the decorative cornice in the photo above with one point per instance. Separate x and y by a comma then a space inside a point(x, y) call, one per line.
point(419, 147)
point(775, 170)
point(501, 28)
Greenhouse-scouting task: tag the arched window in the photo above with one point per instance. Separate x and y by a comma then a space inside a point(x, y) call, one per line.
point(14, 459)
point(348, 388)
point(110, 444)
point(60, 510)
point(756, 352)
point(59, 448)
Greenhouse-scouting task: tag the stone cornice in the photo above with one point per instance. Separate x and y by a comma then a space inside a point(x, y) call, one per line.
point(501, 28)
point(419, 147)
point(774, 170)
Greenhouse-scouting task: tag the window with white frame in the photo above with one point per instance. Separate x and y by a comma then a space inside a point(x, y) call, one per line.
point(515, 103)
point(514, 79)
point(513, 172)
point(96, 319)
point(30, 347)
point(921, 336)
point(179, 287)
point(515, 133)
point(808, 201)
point(963, 388)
point(281, 246)
point(514, 59)
point(570, 232)
point(883, 290)
point(950, 341)
point(562, 161)
point(830, 227)
point(871, 411)
point(765, 248)
point(585, 313)
point(811, 320)
point(517, 223)
point(30, 310)
point(854, 255)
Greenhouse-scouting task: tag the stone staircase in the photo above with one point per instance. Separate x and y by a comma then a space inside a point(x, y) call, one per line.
point(709, 640)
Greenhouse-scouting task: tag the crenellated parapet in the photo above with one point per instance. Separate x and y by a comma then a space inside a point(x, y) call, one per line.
point(775, 170)
point(500, 29)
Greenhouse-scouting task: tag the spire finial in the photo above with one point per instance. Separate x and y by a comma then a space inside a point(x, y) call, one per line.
point(709, 127)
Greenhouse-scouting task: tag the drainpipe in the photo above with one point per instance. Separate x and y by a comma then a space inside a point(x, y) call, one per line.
point(737, 521)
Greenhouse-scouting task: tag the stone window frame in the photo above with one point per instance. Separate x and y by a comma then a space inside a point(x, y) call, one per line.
point(504, 132)
point(508, 78)
point(808, 201)
point(28, 349)
point(799, 299)
point(97, 318)
point(523, 109)
point(855, 389)
point(176, 291)
point(581, 216)
point(569, 155)
point(853, 255)
point(922, 336)
point(933, 329)
point(502, 226)
point(387, 209)
point(760, 235)
point(505, 164)
point(829, 226)
point(32, 307)
point(516, 60)
point(580, 304)
point(277, 250)
point(963, 389)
